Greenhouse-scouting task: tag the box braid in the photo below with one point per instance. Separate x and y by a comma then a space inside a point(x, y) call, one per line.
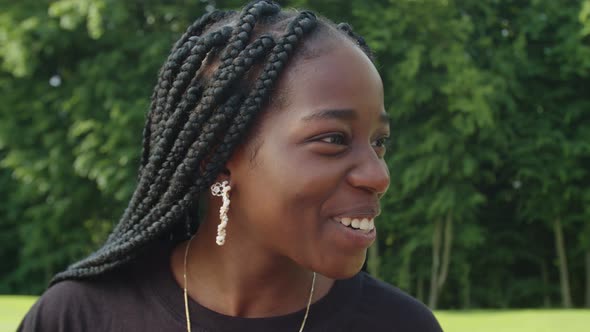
point(195, 123)
point(198, 49)
point(204, 108)
point(170, 69)
point(252, 12)
point(197, 120)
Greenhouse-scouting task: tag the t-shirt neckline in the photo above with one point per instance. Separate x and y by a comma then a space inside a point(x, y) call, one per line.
point(331, 310)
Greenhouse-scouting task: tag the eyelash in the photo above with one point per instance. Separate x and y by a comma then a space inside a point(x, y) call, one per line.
point(381, 142)
point(341, 137)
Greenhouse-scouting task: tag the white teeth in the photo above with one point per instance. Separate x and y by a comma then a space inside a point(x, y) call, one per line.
point(364, 225)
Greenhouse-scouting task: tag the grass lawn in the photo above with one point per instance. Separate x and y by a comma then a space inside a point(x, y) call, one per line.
point(13, 308)
point(537, 320)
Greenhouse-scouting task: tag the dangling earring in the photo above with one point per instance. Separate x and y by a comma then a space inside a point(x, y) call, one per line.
point(222, 189)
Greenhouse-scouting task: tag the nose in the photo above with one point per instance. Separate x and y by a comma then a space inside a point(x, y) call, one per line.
point(370, 173)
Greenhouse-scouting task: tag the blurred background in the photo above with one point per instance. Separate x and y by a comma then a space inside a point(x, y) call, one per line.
point(489, 205)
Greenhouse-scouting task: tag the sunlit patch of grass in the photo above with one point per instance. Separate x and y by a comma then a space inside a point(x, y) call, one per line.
point(575, 320)
point(13, 309)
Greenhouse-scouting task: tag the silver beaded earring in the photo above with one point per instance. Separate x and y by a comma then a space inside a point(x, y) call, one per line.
point(222, 189)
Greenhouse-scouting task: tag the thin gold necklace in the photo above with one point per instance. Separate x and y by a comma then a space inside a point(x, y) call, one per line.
point(188, 317)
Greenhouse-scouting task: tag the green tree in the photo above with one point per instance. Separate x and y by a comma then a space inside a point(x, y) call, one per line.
point(442, 108)
point(76, 79)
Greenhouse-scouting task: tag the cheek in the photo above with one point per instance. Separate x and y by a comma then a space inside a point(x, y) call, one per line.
point(303, 181)
point(294, 187)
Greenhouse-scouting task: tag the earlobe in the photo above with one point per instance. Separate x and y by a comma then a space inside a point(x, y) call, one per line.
point(224, 176)
point(233, 161)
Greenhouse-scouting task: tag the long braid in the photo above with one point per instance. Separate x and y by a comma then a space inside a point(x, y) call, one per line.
point(212, 96)
point(196, 121)
point(303, 23)
point(251, 53)
point(128, 239)
point(202, 23)
point(178, 53)
point(187, 167)
point(197, 52)
point(167, 73)
point(237, 42)
point(250, 14)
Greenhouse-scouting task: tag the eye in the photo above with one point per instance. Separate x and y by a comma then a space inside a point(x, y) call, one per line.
point(335, 138)
point(330, 144)
point(380, 146)
point(381, 142)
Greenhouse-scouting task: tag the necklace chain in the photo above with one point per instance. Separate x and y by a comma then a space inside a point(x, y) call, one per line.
point(188, 317)
point(185, 288)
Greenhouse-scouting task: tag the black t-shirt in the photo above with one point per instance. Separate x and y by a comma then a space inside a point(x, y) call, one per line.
point(145, 297)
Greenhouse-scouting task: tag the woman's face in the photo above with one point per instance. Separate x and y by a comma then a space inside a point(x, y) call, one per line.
point(315, 164)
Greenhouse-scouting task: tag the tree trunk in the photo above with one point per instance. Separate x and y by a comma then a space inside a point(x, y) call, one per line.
point(440, 268)
point(373, 261)
point(587, 278)
point(566, 297)
point(545, 278)
point(436, 240)
point(446, 259)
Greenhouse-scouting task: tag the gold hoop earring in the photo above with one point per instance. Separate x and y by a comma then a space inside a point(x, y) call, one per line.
point(222, 189)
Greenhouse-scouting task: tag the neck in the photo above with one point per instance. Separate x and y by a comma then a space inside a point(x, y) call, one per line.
point(238, 279)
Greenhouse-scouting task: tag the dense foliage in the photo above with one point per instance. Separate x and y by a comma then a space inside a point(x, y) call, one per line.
point(490, 160)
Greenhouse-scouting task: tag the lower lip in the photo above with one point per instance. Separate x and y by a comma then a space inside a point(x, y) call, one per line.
point(357, 238)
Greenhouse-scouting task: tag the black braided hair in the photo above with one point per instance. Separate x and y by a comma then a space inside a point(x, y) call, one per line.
point(170, 69)
point(203, 107)
point(347, 28)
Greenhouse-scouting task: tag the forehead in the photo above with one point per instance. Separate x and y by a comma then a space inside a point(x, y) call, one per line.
point(331, 73)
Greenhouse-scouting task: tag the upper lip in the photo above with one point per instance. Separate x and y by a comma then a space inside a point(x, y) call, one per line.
point(365, 211)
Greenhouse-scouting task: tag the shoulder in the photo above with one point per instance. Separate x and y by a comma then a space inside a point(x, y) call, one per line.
point(76, 305)
point(62, 307)
point(390, 309)
point(119, 300)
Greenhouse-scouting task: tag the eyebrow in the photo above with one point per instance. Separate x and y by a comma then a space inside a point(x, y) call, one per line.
point(341, 114)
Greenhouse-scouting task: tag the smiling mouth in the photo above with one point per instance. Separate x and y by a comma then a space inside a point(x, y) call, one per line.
point(364, 225)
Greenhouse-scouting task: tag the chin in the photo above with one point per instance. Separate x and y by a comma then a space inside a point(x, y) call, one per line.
point(342, 267)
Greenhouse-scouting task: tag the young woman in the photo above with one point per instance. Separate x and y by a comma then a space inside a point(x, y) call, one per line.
point(258, 192)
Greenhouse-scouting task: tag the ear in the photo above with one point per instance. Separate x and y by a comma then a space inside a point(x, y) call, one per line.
point(224, 175)
point(238, 164)
point(234, 165)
